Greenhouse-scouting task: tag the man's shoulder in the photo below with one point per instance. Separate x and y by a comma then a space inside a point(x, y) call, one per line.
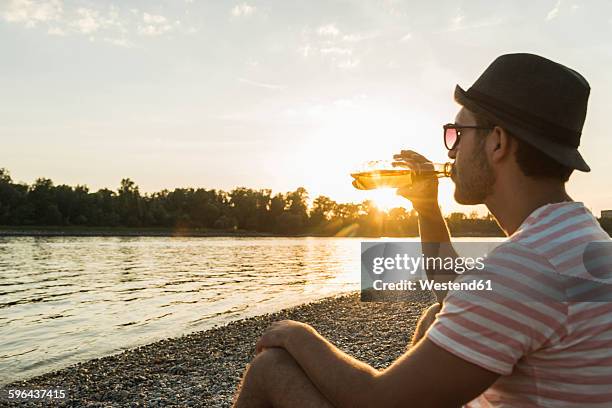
point(560, 246)
point(553, 228)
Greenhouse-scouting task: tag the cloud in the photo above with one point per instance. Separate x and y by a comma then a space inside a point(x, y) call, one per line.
point(153, 19)
point(56, 31)
point(243, 10)
point(552, 14)
point(458, 23)
point(108, 23)
point(336, 51)
point(339, 50)
point(87, 21)
point(153, 30)
point(328, 30)
point(359, 37)
point(153, 25)
point(305, 50)
point(30, 13)
point(348, 64)
point(120, 42)
point(260, 84)
point(406, 37)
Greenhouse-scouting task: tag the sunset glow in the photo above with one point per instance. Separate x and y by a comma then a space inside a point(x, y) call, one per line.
point(215, 95)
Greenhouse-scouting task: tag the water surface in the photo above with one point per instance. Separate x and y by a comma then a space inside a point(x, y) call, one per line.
point(68, 299)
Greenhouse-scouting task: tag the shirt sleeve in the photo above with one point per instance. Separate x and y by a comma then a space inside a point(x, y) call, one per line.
point(521, 313)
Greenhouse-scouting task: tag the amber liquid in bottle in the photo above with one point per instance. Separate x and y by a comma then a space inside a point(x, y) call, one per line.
point(398, 177)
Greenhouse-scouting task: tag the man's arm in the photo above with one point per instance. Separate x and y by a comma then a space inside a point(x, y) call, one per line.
point(423, 193)
point(426, 376)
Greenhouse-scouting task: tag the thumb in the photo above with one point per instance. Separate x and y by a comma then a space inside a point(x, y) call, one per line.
point(404, 191)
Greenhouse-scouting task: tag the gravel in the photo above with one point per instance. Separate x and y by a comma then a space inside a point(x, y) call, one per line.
point(203, 369)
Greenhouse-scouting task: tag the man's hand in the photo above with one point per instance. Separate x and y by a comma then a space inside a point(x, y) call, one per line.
point(279, 334)
point(426, 320)
point(423, 193)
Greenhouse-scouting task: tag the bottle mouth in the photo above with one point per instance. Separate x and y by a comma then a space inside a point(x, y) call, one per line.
point(448, 169)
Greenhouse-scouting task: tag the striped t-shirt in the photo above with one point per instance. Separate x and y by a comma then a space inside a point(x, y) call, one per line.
point(547, 325)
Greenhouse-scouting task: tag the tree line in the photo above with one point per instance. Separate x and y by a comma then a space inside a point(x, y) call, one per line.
point(242, 209)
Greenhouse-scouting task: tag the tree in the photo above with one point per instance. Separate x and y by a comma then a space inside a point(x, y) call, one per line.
point(456, 217)
point(8, 196)
point(129, 208)
point(295, 216)
point(322, 210)
point(244, 204)
point(44, 201)
point(277, 207)
point(5, 176)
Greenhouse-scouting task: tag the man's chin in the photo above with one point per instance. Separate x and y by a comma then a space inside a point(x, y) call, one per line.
point(466, 199)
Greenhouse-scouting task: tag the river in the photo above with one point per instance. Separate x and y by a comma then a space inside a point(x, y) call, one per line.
point(69, 299)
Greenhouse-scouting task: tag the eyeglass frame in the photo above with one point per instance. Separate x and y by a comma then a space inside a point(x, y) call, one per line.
point(458, 132)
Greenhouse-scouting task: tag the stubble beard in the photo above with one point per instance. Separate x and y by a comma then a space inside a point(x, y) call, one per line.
point(474, 181)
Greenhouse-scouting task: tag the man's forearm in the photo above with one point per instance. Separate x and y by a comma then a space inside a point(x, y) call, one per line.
point(343, 380)
point(432, 227)
point(435, 240)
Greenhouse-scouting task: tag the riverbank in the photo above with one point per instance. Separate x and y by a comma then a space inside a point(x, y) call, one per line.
point(46, 231)
point(204, 368)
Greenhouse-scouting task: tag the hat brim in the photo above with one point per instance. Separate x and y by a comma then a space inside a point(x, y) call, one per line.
point(566, 155)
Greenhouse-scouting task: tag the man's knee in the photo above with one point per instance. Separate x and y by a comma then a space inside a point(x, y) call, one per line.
point(259, 373)
point(277, 379)
point(270, 361)
point(271, 357)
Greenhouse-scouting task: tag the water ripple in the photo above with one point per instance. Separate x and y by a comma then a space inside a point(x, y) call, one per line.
point(63, 298)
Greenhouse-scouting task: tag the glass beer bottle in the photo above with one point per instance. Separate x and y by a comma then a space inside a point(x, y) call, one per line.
point(382, 174)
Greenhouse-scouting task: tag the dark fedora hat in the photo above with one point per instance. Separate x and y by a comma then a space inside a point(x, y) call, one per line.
point(535, 99)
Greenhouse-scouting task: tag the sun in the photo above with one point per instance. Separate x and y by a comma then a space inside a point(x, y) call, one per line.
point(387, 198)
point(348, 135)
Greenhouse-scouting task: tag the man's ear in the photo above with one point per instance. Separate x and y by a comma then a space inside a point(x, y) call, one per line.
point(499, 144)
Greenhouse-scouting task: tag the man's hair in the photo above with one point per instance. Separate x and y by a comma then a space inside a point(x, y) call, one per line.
point(532, 162)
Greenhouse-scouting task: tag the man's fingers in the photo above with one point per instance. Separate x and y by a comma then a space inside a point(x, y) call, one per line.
point(410, 159)
point(404, 191)
point(412, 162)
point(413, 155)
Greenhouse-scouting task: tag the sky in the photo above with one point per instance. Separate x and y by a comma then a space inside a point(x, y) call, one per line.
point(271, 94)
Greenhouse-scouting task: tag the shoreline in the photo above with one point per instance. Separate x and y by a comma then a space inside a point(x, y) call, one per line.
point(167, 232)
point(204, 368)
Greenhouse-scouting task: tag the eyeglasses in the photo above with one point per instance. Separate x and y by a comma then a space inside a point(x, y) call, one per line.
point(452, 134)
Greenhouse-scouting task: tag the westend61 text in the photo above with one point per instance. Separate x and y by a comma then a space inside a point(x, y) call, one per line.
point(433, 285)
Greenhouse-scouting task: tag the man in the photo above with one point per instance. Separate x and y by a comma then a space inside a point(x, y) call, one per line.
point(514, 143)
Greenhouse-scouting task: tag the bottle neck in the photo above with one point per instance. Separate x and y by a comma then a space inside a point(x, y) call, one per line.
point(439, 169)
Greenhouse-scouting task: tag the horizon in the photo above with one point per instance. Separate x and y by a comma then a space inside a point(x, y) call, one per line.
point(256, 94)
point(473, 213)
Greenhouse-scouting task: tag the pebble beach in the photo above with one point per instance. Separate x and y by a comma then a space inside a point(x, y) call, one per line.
point(203, 369)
